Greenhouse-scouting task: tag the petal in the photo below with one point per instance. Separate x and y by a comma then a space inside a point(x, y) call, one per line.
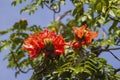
point(59, 41)
point(59, 51)
point(94, 34)
point(75, 29)
point(79, 31)
point(28, 47)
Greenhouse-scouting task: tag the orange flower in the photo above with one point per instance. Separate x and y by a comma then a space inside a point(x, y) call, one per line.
point(89, 36)
point(79, 31)
point(34, 45)
point(83, 35)
point(47, 42)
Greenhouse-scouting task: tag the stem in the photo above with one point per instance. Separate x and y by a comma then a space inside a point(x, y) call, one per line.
point(117, 70)
point(63, 15)
point(110, 49)
point(59, 19)
point(114, 56)
point(18, 66)
point(115, 19)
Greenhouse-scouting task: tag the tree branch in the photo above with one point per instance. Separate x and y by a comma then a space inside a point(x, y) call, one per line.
point(114, 19)
point(114, 55)
point(54, 10)
point(117, 70)
point(117, 44)
point(59, 19)
point(13, 56)
point(106, 49)
point(98, 50)
point(63, 15)
point(110, 49)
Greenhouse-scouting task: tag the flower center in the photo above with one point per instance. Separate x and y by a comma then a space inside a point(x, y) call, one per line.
point(48, 44)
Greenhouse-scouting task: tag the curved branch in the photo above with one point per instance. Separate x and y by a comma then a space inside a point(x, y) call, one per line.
point(59, 19)
point(63, 15)
point(55, 10)
point(18, 64)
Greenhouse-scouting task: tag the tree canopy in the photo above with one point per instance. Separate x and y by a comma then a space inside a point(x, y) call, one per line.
point(70, 50)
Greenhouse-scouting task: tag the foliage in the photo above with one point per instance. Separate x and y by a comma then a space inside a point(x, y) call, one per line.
point(81, 64)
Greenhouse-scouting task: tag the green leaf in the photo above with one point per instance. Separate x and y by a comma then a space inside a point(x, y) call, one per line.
point(11, 64)
point(4, 45)
point(93, 1)
point(84, 18)
point(101, 20)
point(3, 32)
point(14, 3)
point(102, 60)
point(62, 2)
point(99, 6)
point(88, 72)
point(90, 64)
point(113, 27)
point(91, 69)
point(118, 12)
point(111, 12)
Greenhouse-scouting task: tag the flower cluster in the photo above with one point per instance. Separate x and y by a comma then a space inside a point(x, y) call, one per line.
point(46, 42)
point(83, 36)
point(52, 44)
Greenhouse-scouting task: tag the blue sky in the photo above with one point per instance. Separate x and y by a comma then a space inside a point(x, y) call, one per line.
point(9, 15)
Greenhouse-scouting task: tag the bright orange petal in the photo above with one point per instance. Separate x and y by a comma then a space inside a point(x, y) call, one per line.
point(94, 34)
point(79, 31)
point(75, 29)
point(89, 36)
point(82, 28)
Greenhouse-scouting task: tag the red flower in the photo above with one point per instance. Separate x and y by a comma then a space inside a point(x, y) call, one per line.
point(59, 44)
point(76, 45)
point(34, 45)
point(47, 42)
point(83, 36)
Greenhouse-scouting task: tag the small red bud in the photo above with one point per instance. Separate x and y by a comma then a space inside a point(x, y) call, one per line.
point(76, 45)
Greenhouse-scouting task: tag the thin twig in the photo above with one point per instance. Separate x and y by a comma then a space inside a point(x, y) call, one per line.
point(100, 50)
point(114, 19)
point(59, 20)
point(13, 56)
point(110, 49)
point(63, 15)
point(114, 55)
point(106, 49)
point(54, 10)
point(117, 70)
point(117, 44)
